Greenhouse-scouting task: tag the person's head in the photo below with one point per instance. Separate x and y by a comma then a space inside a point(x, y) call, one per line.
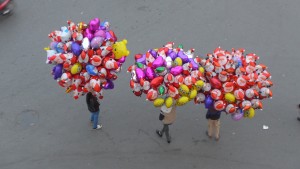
point(299, 106)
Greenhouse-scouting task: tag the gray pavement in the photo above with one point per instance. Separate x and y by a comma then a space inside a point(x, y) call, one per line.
point(42, 127)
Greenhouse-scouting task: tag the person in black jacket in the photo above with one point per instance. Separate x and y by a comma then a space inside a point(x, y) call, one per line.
point(298, 118)
point(93, 106)
point(213, 117)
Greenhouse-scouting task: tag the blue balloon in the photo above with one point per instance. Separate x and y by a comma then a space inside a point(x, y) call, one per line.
point(109, 84)
point(76, 49)
point(59, 48)
point(92, 70)
point(208, 102)
point(57, 71)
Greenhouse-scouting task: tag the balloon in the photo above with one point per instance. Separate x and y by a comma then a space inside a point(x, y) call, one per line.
point(153, 53)
point(199, 98)
point(109, 85)
point(249, 113)
point(228, 87)
point(120, 49)
point(208, 102)
point(85, 43)
point(160, 69)
point(169, 102)
point(104, 25)
point(59, 47)
point(230, 108)
point(76, 68)
point(76, 50)
point(94, 24)
point(239, 94)
point(238, 115)
point(182, 100)
point(172, 91)
point(97, 42)
point(100, 33)
point(88, 33)
point(92, 70)
point(150, 73)
point(159, 61)
point(201, 69)
point(122, 59)
point(169, 78)
point(57, 71)
point(215, 83)
point(194, 64)
point(199, 84)
point(152, 95)
point(193, 94)
point(158, 102)
point(156, 82)
point(183, 56)
point(168, 62)
point(161, 90)
point(140, 58)
point(178, 61)
point(219, 105)
point(140, 74)
point(172, 55)
point(184, 90)
point(176, 70)
point(207, 87)
point(229, 97)
point(216, 94)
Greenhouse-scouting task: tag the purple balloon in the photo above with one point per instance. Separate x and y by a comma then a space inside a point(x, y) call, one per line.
point(176, 70)
point(97, 42)
point(122, 59)
point(173, 55)
point(109, 36)
point(76, 49)
point(88, 33)
point(238, 115)
point(183, 57)
point(109, 84)
point(57, 71)
point(139, 74)
point(159, 61)
point(142, 59)
point(150, 73)
point(208, 102)
point(153, 53)
point(100, 33)
point(195, 66)
point(94, 24)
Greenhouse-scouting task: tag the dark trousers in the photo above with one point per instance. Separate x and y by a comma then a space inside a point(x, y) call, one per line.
point(166, 129)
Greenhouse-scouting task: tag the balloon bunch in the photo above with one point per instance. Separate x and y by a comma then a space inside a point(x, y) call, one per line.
point(167, 75)
point(237, 82)
point(86, 57)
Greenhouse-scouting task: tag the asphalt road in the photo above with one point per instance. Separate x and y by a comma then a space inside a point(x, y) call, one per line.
point(42, 127)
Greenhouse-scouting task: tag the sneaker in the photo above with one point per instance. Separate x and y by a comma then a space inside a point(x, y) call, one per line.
point(206, 132)
point(98, 127)
point(298, 118)
point(158, 133)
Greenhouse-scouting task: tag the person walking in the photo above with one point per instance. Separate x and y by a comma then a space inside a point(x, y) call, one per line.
point(298, 118)
point(213, 117)
point(167, 116)
point(93, 107)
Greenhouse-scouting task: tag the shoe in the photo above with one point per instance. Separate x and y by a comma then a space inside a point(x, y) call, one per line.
point(298, 118)
point(169, 140)
point(158, 133)
point(98, 127)
point(206, 132)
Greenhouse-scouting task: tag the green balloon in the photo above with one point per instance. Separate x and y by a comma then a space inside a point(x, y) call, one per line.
point(160, 69)
point(180, 46)
point(161, 90)
point(139, 65)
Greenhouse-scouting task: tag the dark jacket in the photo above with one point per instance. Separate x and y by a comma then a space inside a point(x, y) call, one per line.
point(213, 114)
point(92, 102)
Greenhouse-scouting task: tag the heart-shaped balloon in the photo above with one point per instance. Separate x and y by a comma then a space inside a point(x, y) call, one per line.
point(88, 33)
point(159, 61)
point(94, 24)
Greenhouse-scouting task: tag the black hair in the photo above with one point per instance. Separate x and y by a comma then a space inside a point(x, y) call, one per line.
point(299, 106)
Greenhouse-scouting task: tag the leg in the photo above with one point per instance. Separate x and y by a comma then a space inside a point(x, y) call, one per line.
point(166, 126)
point(164, 129)
point(92, 117)
point(95, 119)
point(217, 129)
point(210, 128)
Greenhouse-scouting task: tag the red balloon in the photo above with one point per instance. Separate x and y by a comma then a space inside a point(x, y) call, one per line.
point(215, 83)
point(156, 82)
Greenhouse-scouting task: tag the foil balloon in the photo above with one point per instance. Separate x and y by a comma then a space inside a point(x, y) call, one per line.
point(208, 102)
point(176, 70)
point(158, 102)
point(76, 68)
point(76, 49)
point(96, 42)
point(94, 24)
point(159, 61)
point(57, 71)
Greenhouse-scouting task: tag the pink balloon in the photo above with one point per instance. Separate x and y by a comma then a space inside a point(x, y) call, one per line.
point(94, 24)
point(121, 60)
point(150, 73)
point(139, 73)
point(176, 70)
point(100, 33)
point(88, 33)
point(215, 83)
point(159, 61)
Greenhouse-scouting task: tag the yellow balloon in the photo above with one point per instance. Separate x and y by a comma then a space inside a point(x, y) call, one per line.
point(182, 100)
point(120, 49)
point(184, 90)
point(199, 84)
point(76, 68)
point(249, 113)
point(201, 69)
point(178, 61)
point(229, 97)
point(193, 94)
point(158, 102)
point(169, 102)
